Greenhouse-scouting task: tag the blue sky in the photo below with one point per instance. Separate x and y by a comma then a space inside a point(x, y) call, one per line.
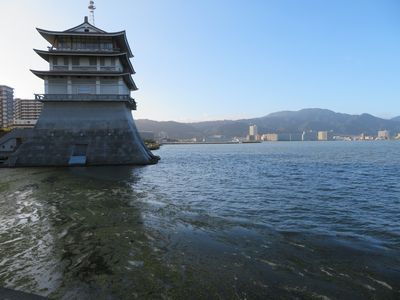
point(209, 59)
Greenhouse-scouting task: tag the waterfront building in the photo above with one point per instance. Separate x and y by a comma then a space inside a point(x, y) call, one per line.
point(253, 133)
point(364, 137)
point(342, 138)
point(26, 112)
point(270, 137)
point(253, 130)
point(6, 106)
point(383, 135)
point(86, 117)
point(322, 135)
point(283, 137)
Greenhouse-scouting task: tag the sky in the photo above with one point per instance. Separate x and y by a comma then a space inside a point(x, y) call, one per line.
point(228, 59)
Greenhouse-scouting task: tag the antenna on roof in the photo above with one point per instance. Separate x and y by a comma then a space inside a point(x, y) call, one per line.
point(91, 11)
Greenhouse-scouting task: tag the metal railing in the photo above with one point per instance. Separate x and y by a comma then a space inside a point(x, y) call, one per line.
point(87, 97)
point(87, 49)
point(86, 68)
point(60, 67)
point(110, 68)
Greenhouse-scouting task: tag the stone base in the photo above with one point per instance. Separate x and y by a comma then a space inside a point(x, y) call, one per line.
point(109, 140)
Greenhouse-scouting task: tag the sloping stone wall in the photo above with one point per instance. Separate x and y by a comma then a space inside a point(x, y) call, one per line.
point(106, 130)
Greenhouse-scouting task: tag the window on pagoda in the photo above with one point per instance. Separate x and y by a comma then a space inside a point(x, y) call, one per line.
point(60, 63)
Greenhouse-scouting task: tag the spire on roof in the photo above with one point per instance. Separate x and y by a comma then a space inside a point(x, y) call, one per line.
point(91, 8)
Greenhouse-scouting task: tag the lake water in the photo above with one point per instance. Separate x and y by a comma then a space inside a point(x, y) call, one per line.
point(311, 220)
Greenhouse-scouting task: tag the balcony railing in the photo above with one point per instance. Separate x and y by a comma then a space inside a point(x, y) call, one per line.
point(87, 97)
point(60, 67)
point(111, 68)
point(87, 68)
point(82, 49)
point(84, 68)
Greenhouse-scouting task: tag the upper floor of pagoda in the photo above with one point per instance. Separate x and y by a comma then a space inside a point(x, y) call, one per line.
point(86, 38)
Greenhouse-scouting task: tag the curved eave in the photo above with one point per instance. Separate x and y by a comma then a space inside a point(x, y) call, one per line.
point(129, 81)
point(45, 53)
point(50, 36)
point(126, 61)
point(126, 76)
point(128, 48)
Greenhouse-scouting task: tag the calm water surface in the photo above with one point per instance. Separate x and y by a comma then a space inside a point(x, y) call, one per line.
point(254, 221)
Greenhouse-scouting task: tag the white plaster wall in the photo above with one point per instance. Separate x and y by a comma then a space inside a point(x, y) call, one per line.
point(109, 86)
point(118, 64)
point(57, 86)
point(83, 85)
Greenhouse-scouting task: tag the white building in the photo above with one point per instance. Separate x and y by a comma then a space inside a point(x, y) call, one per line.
point(6, 106)
point(253, 133)
point(383, 135)
point(26, 112)
point(270, 137)
point(253, 130)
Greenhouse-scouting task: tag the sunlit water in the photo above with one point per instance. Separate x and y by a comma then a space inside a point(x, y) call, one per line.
point(253, 221)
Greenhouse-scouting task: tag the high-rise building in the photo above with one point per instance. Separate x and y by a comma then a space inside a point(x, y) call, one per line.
point(253, 133)
point(253, 130)
point(26, 112)
point(6, 106)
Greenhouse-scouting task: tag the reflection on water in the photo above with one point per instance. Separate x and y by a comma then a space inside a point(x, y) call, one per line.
point(236, 222)
point(76, 232)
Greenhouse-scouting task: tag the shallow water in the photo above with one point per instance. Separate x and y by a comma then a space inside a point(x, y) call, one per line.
point(274, 220)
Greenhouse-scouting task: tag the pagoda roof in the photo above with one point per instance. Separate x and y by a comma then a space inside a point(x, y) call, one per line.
point(87, 30)
point(126, 61)
point(126, 76)
point(85, 26)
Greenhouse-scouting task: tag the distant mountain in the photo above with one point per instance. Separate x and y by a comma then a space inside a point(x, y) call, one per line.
point(323, 119)
point(281, 122)
point(174, 130)
point(397, 119)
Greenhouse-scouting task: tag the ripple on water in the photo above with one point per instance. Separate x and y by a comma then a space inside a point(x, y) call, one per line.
point(293, 220)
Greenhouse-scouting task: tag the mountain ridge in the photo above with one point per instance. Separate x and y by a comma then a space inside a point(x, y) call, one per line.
point(307, 119)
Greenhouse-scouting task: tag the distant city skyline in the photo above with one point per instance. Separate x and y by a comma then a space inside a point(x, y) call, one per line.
point(224, 59)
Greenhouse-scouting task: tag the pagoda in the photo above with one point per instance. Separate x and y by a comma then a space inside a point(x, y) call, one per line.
point(86, 117)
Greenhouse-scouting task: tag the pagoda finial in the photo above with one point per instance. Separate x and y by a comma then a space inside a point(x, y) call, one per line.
point(91, 8)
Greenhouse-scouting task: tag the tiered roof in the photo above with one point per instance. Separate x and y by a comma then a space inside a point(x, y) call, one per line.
point(123, 52)
point(88, 30)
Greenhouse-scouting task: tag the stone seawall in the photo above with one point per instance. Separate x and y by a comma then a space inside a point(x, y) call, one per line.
point(101, 134)
point(102, 147)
